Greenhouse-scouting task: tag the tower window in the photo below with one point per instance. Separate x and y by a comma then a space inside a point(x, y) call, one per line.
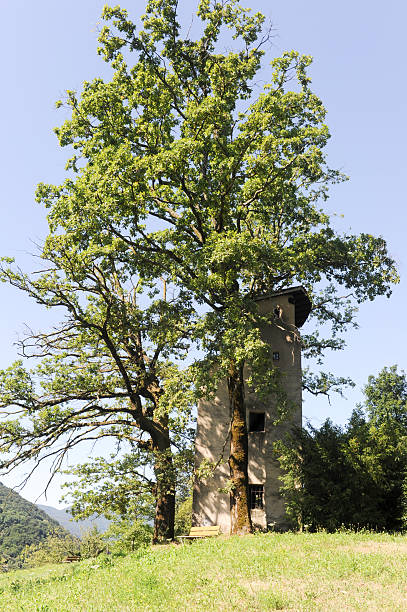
point(256, 421)
point(256, 496)
point(276, 356)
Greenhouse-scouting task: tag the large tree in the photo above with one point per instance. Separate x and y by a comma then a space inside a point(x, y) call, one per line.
point(102, 373)
point(182, 163)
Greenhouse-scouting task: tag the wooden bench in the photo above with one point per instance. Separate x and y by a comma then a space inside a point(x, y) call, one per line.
point(72, 558)
point(201, 532)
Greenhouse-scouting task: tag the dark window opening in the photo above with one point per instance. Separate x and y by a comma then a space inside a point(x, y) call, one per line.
point(256, 421)
point(256, 496)
point(276, 356)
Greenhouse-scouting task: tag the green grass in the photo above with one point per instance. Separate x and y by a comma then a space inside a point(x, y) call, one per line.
point(263, 572)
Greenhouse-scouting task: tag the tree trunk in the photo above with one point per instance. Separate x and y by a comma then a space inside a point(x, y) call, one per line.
point(164, 471)
point(240, 520)
point(165, 492)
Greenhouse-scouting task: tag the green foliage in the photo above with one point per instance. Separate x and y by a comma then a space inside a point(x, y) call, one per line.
point(192, 179)
point(355, 476)
point(386, 398)
point(21, 524)
point(92, 543)
point(183, 516)
point(128, 535)
point(119, 488)
point(112, 487)
point(53, 549)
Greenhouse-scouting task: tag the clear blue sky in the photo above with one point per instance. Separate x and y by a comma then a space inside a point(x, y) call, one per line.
point(358, 71)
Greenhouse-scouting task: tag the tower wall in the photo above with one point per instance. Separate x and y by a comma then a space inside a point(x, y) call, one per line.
point(210, 505)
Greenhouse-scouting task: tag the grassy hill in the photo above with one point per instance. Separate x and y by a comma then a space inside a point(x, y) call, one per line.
point(263, 572)
point(21, 523)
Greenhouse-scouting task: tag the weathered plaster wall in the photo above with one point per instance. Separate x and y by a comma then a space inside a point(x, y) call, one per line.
point(210, 506)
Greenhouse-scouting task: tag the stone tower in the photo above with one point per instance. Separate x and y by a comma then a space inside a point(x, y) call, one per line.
point(290, 309)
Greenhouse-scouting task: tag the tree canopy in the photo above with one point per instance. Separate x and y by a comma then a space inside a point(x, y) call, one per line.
point(386, 397)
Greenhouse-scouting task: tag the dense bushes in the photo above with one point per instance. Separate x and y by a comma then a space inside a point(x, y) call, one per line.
point(127, 535)
point(353, 476)
point(183, 516)
point(122, 537)
point(53, 549)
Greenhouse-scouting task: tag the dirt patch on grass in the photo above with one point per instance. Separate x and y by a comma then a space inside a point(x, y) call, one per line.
point(322, 595)
point(256, 586)
point(382, 548)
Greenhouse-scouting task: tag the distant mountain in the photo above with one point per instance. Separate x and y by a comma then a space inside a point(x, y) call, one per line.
point(77, 528)
point(21, 523)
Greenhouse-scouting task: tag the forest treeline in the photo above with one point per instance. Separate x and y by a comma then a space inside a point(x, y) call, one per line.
point(22, 524)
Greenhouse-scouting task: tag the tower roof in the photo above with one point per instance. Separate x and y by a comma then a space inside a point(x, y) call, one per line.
point(301, 301)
